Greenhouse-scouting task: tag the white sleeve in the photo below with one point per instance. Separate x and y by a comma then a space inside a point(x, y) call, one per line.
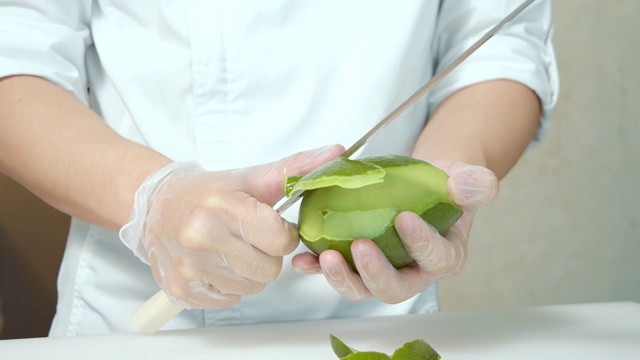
point(521, 51)
point(46, 38)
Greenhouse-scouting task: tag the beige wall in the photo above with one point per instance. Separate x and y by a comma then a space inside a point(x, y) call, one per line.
point(566, 227)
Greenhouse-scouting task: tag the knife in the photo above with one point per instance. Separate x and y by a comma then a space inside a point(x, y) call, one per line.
point(417, 95)
point(158, 310)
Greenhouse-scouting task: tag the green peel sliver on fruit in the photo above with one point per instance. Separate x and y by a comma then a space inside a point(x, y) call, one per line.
point(343, 172)
point(417, 349)
point(349, 199)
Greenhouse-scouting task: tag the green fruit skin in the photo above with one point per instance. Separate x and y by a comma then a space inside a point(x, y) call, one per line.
point(441, 214)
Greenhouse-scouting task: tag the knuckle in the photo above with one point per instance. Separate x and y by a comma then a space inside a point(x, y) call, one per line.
point(204, 222)
point(194, 231)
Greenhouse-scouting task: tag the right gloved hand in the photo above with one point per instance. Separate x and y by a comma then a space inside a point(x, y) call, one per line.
point(436, 256)
point(211, 237)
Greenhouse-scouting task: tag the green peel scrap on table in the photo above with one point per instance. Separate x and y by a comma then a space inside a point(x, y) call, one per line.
point(349, 199)
point(413, 350)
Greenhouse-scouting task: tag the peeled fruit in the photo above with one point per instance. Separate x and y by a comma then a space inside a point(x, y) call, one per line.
point(348, 199)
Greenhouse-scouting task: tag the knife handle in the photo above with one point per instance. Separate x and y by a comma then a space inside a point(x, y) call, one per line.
point(155, 312)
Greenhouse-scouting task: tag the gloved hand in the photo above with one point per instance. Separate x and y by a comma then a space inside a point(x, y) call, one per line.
point(213, 236)
point(435, 256)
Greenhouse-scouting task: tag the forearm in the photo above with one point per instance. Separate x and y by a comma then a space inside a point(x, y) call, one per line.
point(488, 124)
point(63, 152)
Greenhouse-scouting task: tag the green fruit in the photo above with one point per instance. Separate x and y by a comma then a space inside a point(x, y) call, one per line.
point(349, 199)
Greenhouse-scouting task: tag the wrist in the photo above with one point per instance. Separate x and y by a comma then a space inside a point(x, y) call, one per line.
point(132, 233)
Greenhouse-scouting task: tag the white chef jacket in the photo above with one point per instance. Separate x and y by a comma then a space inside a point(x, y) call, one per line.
point(238, 83)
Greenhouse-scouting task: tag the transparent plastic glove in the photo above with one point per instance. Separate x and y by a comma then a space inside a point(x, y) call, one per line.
point(435, 256)
point(213, 236)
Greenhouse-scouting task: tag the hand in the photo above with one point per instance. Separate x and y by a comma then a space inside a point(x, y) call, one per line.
point(435, 256)
point(211, 237)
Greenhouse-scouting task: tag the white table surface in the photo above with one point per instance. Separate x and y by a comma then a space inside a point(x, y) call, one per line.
point(581, 331)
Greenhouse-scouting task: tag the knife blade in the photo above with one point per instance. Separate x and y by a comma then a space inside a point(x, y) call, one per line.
point(435, 80)
point(158, 310)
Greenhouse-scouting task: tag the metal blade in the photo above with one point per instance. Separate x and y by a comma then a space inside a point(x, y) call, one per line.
point(418, 94)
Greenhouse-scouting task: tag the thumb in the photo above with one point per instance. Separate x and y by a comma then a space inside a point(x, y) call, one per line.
point(267, 181)
point(471, 185)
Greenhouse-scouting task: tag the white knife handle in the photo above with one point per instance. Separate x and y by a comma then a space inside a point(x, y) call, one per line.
point(155, 312)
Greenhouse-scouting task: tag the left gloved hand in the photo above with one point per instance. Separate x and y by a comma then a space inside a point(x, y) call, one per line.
point(436, 256)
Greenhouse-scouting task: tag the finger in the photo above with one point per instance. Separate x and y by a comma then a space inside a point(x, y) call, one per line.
point(208, 277)
point(388, 284)
point(431, 251)
point(205, 296)
point(342, 278)
point(234, 271)
point(306, 263)
point(266, 182)
point(470, 185)
point(262, 227)
point(378, 275)
point(215, 241)
point(189, 293)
